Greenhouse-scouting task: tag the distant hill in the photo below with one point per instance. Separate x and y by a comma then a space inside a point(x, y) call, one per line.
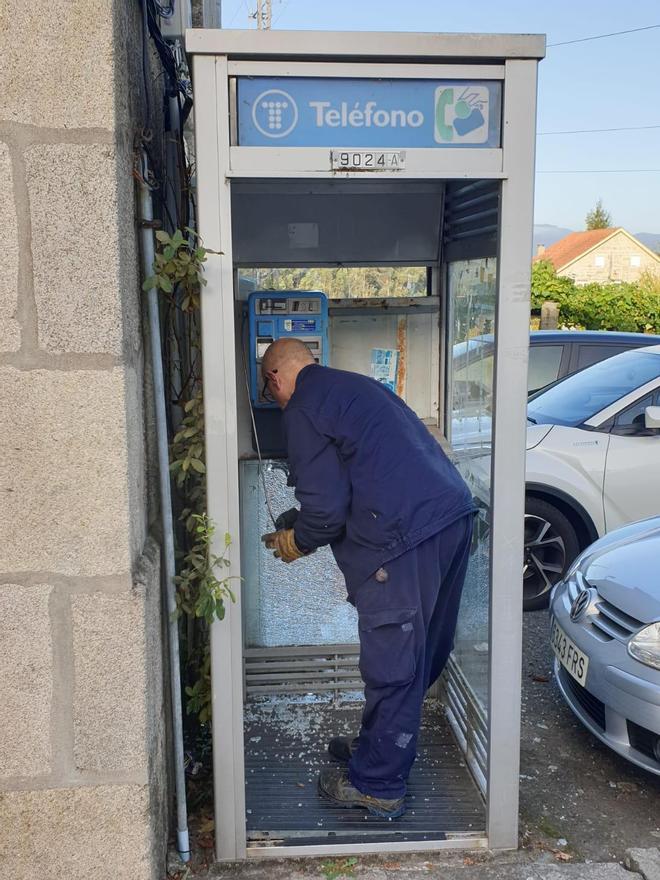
point(547, 234)
point(650, 239)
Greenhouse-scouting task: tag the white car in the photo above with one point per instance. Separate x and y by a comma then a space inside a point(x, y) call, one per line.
point(593, 462)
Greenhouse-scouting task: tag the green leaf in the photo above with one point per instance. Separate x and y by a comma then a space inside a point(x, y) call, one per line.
point(198, 465)
point(150, 282)
point(165, 283)
point(161, 235)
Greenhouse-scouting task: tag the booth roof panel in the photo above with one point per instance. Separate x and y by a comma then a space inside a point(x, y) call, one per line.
point(383, 45)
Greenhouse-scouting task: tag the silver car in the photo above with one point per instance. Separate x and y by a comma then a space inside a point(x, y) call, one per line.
point(605, 634)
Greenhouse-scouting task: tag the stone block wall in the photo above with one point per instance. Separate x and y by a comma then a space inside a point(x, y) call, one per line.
point(616, 253)
point(82, 744)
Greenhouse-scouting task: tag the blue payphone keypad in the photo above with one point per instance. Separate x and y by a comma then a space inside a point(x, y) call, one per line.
point(284, 313)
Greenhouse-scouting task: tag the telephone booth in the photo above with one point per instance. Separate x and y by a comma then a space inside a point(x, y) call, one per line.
point(406, 161)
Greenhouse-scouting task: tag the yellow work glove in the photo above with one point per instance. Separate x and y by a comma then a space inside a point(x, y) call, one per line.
point(284, 545)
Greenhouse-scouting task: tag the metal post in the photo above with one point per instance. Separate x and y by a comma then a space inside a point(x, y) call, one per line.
point(508, 472)
point(264, 14)
point(218, 344)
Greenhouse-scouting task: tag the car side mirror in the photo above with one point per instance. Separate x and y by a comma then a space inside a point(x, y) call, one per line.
point(652, 417)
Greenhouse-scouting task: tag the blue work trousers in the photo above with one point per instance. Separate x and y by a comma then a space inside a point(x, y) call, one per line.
point(407, 614)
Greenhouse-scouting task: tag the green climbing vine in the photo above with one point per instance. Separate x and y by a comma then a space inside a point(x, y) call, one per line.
point(203, 585)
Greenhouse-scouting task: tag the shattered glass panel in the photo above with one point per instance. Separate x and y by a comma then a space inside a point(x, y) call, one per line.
point(472, 298)
point(471, 640)
point(303, 603)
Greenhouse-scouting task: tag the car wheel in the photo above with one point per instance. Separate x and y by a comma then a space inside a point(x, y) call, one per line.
point(551, 544)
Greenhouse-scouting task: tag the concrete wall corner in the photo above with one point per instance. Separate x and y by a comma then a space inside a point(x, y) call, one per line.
point(84, 781)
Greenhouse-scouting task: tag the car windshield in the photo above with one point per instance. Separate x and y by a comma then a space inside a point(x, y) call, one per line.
point(580, 396)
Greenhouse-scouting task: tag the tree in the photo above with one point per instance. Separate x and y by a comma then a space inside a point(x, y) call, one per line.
point(598, 217)
point(547, 285)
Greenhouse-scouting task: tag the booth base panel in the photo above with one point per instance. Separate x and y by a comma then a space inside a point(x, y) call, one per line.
point(286, 746)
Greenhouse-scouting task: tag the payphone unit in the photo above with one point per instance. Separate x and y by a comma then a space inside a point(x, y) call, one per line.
point(292, 314)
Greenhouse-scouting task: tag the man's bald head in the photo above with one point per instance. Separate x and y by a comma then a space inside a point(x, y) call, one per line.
point(283, 352)
point(281, 363)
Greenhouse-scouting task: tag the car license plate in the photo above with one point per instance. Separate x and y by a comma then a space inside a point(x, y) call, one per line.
point(367, 160)
point(574, 661)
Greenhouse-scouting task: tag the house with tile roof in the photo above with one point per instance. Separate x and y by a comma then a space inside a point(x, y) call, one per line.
point(601, 256)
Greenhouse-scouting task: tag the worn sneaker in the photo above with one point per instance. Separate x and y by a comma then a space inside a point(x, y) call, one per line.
point(335, 785)
point(342, 748)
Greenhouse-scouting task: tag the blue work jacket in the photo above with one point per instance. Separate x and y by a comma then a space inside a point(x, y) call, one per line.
point(371, 480)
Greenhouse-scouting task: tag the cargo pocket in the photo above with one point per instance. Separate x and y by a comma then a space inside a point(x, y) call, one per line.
point(387, 647)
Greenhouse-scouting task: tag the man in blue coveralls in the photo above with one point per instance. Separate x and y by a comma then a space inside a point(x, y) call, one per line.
point(374, 485)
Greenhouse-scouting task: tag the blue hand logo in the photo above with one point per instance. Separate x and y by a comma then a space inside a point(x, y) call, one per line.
point(467, 119)
point(461, 116)
point(274, 113)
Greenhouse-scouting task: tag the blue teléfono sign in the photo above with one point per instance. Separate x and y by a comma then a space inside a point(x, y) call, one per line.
point(318, 112)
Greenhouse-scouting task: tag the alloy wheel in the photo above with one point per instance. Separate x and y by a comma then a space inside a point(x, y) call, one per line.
point(545, 556)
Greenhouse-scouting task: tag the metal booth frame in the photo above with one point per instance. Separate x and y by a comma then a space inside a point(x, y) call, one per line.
point(512, 59)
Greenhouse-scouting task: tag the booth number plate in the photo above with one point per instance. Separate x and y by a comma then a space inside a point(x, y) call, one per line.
point(368, 160)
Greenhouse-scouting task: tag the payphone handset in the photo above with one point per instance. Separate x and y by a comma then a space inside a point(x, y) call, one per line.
point(292, 314)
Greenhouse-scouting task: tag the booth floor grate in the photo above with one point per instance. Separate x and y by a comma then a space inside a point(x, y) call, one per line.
point(285, 747)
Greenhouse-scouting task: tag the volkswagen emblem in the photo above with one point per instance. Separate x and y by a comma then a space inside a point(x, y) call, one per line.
point(581, 603)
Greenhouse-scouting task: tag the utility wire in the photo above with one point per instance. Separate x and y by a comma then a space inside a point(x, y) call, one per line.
point(281, 12)
point(241, 5)
point(601, 171)
point(236, 11)
point(604, 36)
point(590, 130)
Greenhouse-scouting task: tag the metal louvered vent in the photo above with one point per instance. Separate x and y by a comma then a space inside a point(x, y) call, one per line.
point(471, 211)
point(302, 670)
point(467, 719)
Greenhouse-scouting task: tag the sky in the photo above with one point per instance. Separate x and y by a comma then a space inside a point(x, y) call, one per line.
point(606, 83)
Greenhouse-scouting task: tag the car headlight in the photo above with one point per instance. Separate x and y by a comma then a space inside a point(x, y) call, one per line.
point(645, 646)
